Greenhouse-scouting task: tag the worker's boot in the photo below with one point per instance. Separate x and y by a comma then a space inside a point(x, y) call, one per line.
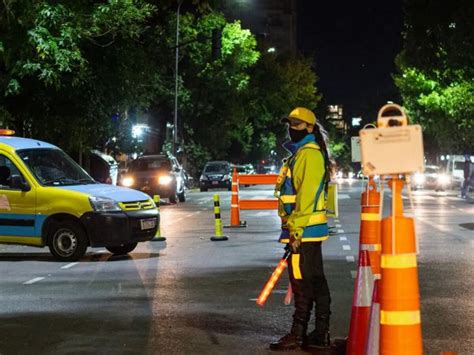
point(291, 341)
point(319, 338)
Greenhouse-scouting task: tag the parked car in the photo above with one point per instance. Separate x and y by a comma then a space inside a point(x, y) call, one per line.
point(216, 174)
point(157, 175)
point(103, 168)
point(432, 178)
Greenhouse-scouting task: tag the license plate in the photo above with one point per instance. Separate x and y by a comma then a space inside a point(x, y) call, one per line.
point(147, 223)
point(215, 182)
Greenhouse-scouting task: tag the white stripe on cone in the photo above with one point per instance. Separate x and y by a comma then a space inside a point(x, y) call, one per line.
point(365, 287)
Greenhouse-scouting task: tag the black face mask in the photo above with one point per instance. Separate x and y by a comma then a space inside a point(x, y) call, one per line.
point(297, 135)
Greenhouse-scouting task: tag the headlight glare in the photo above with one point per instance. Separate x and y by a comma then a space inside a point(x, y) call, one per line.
point(104, 204)
point(128, 181)
point(419, 178)
point(165, 180)
point(444, 179)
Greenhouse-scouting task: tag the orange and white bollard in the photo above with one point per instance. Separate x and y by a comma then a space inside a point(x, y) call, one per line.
point(400, 320)
point(373, 334)
point(234, 204)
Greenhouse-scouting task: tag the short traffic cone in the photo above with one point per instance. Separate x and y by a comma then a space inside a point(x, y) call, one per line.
point(400, 320)
point(219, 236)
point(234, 204)
point(370, 225)
point(361, 302)
point(373, 336)
point(158, 237)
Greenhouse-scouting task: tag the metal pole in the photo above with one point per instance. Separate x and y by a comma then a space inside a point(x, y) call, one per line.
point(175, 130)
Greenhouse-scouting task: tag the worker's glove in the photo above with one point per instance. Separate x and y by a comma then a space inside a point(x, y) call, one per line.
point(295, 242)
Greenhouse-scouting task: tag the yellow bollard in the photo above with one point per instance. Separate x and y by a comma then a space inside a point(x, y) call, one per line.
point(219, 236)
point(158, 237)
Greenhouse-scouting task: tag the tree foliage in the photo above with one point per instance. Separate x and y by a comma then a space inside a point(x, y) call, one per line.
point(436, 71)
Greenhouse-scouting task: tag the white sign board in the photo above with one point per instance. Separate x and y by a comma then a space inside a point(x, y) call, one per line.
point(355, 149)
point(392, 150)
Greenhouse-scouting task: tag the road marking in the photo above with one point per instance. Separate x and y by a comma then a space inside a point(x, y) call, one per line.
point(263, 214)
point(252, 299)
point(338, 225)
point(279, 292)
point(340, 230)
point(350, 258)
point(353, 274)
point(32, 281)
point(336, 220)
point(346, 247)
point(203, 202)
point(343, 197)
point(68, 265)
point(342, 238)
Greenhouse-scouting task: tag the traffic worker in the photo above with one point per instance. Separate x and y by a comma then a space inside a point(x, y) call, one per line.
point(301, 189)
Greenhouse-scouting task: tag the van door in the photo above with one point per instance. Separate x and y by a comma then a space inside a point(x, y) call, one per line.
point(18, 222)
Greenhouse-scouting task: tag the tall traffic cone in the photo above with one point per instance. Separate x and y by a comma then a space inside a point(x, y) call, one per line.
point(158, 237)
point(373, 335)
point(235, 221)
point(370, 225)
point(400, 320)
point(219, 236)
point(361, 303)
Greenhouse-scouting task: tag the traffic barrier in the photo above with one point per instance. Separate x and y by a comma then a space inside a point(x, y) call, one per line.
point(400, 320)
point(361, 303)
point(158, 237)
point(373, 335)
point(239, 204)
point(219, 236)
point(370, 225)
point(235, 221)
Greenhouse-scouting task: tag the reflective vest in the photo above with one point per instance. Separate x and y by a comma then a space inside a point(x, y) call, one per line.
point(315, 228)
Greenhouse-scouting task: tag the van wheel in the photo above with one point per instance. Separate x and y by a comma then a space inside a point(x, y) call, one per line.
point(67, 241)
point(182, 196)
point(173, 198)
point(122, 249)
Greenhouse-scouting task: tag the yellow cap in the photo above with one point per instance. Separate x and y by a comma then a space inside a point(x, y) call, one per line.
point(302, 114)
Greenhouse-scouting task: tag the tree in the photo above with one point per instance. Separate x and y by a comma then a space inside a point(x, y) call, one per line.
point(435, 71)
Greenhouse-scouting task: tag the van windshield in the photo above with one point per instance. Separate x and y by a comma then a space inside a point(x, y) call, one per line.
point(217, 168)
point(53, 167)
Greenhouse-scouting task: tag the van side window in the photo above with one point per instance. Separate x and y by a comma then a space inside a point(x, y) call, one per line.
point(7, 170)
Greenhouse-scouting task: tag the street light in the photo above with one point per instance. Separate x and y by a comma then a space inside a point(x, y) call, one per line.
point(175, 133)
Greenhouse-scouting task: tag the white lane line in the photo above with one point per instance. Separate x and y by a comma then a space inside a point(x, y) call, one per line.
point(343, 197)
point(346, 247)
point(279, 292)
point(342, 238)
point(340, 230)
point(68, 265)
point(263, 214)
point(353, 274)
point(32, 281)
point(338, 225)
point(350, 258)
point(336, 220)
point(203, 202)
point(252, 299)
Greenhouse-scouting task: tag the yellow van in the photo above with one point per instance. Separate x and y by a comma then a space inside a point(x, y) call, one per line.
point(46, 199)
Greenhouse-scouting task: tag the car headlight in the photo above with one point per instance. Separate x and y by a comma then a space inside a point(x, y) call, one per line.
point(104, 204)
point(444, 179)
point(128, 181)
point(203, 178)
point(226, 177)
point(419, 178)
point(165, 180)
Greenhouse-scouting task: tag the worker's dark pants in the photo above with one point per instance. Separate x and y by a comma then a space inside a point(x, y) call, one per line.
point(311, 290)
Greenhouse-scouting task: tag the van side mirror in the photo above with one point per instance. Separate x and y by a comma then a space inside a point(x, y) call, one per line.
point(17, 183)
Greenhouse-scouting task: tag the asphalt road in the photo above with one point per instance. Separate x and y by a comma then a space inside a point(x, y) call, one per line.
point(189, 295)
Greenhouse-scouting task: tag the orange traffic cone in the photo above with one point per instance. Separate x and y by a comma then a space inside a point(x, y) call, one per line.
point(370, 225)
point(361, 303)
point(373, 335)
point(400, 323)
point(234, 204)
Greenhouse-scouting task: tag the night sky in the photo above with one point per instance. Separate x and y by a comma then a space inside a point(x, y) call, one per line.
point(354, 44)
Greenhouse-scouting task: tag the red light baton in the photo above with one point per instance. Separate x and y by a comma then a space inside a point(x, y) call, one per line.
point(267, 290)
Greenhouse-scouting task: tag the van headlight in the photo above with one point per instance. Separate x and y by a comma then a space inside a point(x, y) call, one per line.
point(444, 179)
point(419, 178)
point(104, 204)
point(165, 180)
